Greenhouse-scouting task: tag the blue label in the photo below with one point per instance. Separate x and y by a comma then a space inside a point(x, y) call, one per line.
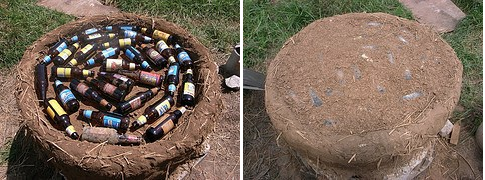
point(91, 31)
point(177, 46)
point(173, 70)
point(172, 88)
point(111, 122)
point(62, 46)
point(57, 83)
point(87, 114)
point(109, 52)
point(66, 95)
point(75, 39)
point(109, 28)
point(129, 54)
point(183, 56)
point(145, 65)
point(126, 28)
point(130, 34)
point(47, 59)
point(146, 39)
point(90, 62)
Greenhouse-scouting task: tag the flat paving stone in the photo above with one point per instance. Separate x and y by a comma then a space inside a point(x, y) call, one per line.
point(78, 8)
point(442, 15)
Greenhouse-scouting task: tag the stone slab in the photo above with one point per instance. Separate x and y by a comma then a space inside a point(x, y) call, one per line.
point(442, 15)
point(79, 8)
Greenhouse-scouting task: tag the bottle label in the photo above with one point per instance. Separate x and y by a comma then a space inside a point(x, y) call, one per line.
point(65, 54)
point(189, 89)
point(167, 126)
point(141, 120)
point(63, 72)
point(160, 35)
point(111, 35)
point(86, 73)
point(113, 64)
point(125, 42)
point(183, 56)
point(91, 31)
point(171, 59)
point(47, 59)
point(146, 39)
point(109, 89)
point(129, 54)
point(109, 52)
point(161, 45)
point(153, 54)
point(120, 77)
point(130, 34)
point(53, 108)
point(75, 39)
point(189, 71)
point(93, 36)
point(173, 70)
point(66, 96)
point(61, 47)
point(90, 62)
point(126, 28)
point(86, 48)
point(135, 103)
point(73, 62)
point(149, 78)
point(106, 45)
point(82, 88)
point(111, 122)
point(172, 88)
point(87, 114)
point(144, 65)
point(162, 107)
point(109, 28)
point(70, 130)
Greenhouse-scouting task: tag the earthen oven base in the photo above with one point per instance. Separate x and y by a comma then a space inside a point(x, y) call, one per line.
point(151, 160)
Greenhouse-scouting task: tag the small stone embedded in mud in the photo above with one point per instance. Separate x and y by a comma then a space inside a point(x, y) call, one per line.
point(328, 92)
point(390, 57)
point(412, 96)
point(315, 99)
point(407, 74)
point(329, 122)
point(402, 39)
point(381, 89)
point(374, 24)
point(357, 73)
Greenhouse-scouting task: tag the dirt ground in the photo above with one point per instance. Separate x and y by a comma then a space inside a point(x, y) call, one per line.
point(222, 161)
point(266, 156)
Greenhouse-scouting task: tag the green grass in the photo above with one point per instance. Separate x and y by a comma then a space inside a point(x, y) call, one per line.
point(267, 25)
point(214, 23)
point(21, 23)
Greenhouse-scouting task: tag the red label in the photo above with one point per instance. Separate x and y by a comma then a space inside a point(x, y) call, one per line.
point(135, 103)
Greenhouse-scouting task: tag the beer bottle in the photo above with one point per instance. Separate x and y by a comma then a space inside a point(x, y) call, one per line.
point(117, 28)
point(155, 58)
point(189, 89)
point(112, 91)
point(73, 39)
point(166, 52)
point(59, 116)
point(68, 100)
point(183, 57)
point(106, 119)
point(98, 37)
point(137, 101)
point(143, 77)
point(55, 50)
point(90, 31)
point(156, 34)
point(128, 34)
point(118, 43)
point(173, 74)
point(70, 72)
point(164, 125)
point(141, 39)
point(108, 135)
point(61, 58)
point(118, 80)
point(98, 59)
point(154, 111)
point(86, 52)
point(134, 55)
point(89, 93)
point(41, 82)
point(113, 65)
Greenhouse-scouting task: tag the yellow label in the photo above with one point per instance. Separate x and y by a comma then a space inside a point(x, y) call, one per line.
point(111, 35)
point(76, 45)
point(70, 130)
point(65, 54)
point(132, 66)
point(64, 72)
point(189, 88)
point(143, 30)
point(50, 112)
point(171, 59)
point(125, 42)
point(73, 62)
point(85, 73)
point(56, 107)
point(160, 35)
point(106, 44)
point(87, 48)
point(141, 120)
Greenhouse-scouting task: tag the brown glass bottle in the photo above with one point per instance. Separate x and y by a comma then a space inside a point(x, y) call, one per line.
point(118, 80)
point(189, 89)
point(54, 51)
point(70, 72)
point(62, 57)
point(67, 98)
point(86, 52)
point(113, 65)
point(110, 136)
point(41, 82)
point(143, 77)
point(156, 34)
point(166, 51)
point(106, 119)
point(134, 55)
point(98, 37)
point(98, 59)
point(184, 59)
point(137, 101)
point(89, 93)
point(119, 43)
point(164, 125)
point(154, 111)
point(59, 116)
point(110, 90)
point(155, 58)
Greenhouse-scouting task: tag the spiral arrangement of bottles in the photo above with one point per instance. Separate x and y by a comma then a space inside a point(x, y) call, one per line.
point(97, 69)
